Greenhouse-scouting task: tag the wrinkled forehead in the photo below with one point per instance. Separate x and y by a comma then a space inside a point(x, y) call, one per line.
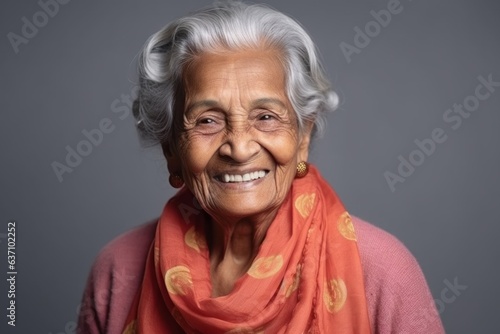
point(234, 65)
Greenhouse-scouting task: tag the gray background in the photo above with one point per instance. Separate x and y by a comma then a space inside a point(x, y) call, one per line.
point(394, 91)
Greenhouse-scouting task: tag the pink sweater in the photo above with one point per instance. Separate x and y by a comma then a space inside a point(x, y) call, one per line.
point(399, 300)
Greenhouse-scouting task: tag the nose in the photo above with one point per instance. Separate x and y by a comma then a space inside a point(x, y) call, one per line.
point(240, 145)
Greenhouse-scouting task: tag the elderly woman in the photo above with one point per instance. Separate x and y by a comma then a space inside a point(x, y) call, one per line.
point(255, 240)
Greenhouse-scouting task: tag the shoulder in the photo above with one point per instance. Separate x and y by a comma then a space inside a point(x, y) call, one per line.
point(381, 252)
point(398, 297)
point(114, 279)
point(129, 247)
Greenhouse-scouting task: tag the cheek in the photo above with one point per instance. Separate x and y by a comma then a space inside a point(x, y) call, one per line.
point(283, 147)
point(196, 152)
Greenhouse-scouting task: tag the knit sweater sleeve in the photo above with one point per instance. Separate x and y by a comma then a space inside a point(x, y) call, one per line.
point(113, 282)
point(398, 297)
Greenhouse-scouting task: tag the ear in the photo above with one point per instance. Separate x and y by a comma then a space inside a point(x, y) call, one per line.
point(173, 160)
point(304, 141)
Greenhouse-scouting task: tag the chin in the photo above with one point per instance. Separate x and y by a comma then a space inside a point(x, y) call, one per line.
point(240, 209)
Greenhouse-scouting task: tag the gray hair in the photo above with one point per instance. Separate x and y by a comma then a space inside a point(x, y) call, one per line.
point(229, 25)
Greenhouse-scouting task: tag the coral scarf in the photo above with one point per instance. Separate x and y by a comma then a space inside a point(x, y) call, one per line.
point(306, 278)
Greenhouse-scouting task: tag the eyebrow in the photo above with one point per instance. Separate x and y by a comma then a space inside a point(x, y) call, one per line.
point(214, 103)
point(268, 100)
point(202, 103)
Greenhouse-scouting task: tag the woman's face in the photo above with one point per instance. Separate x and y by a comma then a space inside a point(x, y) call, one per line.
point(239, 143)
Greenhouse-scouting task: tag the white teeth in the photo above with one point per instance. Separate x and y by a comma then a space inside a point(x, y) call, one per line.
point(243, 178)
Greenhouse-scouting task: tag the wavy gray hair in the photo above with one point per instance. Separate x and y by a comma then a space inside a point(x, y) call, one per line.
point(229, 25)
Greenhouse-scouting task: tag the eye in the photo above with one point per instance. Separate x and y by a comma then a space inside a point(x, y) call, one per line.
point(267, 121)
point(266, 117)
point(206, 121)
point(209, 124)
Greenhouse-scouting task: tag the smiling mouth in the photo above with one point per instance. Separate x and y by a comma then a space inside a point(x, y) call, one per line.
point(238, 178)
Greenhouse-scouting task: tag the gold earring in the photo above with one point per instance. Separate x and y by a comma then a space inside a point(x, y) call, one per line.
point(175, 181)
point(302, 169)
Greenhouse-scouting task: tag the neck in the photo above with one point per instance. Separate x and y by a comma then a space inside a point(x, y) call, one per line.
point(233, 248)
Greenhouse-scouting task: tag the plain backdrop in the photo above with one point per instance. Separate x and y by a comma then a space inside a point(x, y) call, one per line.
point(79, 69)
